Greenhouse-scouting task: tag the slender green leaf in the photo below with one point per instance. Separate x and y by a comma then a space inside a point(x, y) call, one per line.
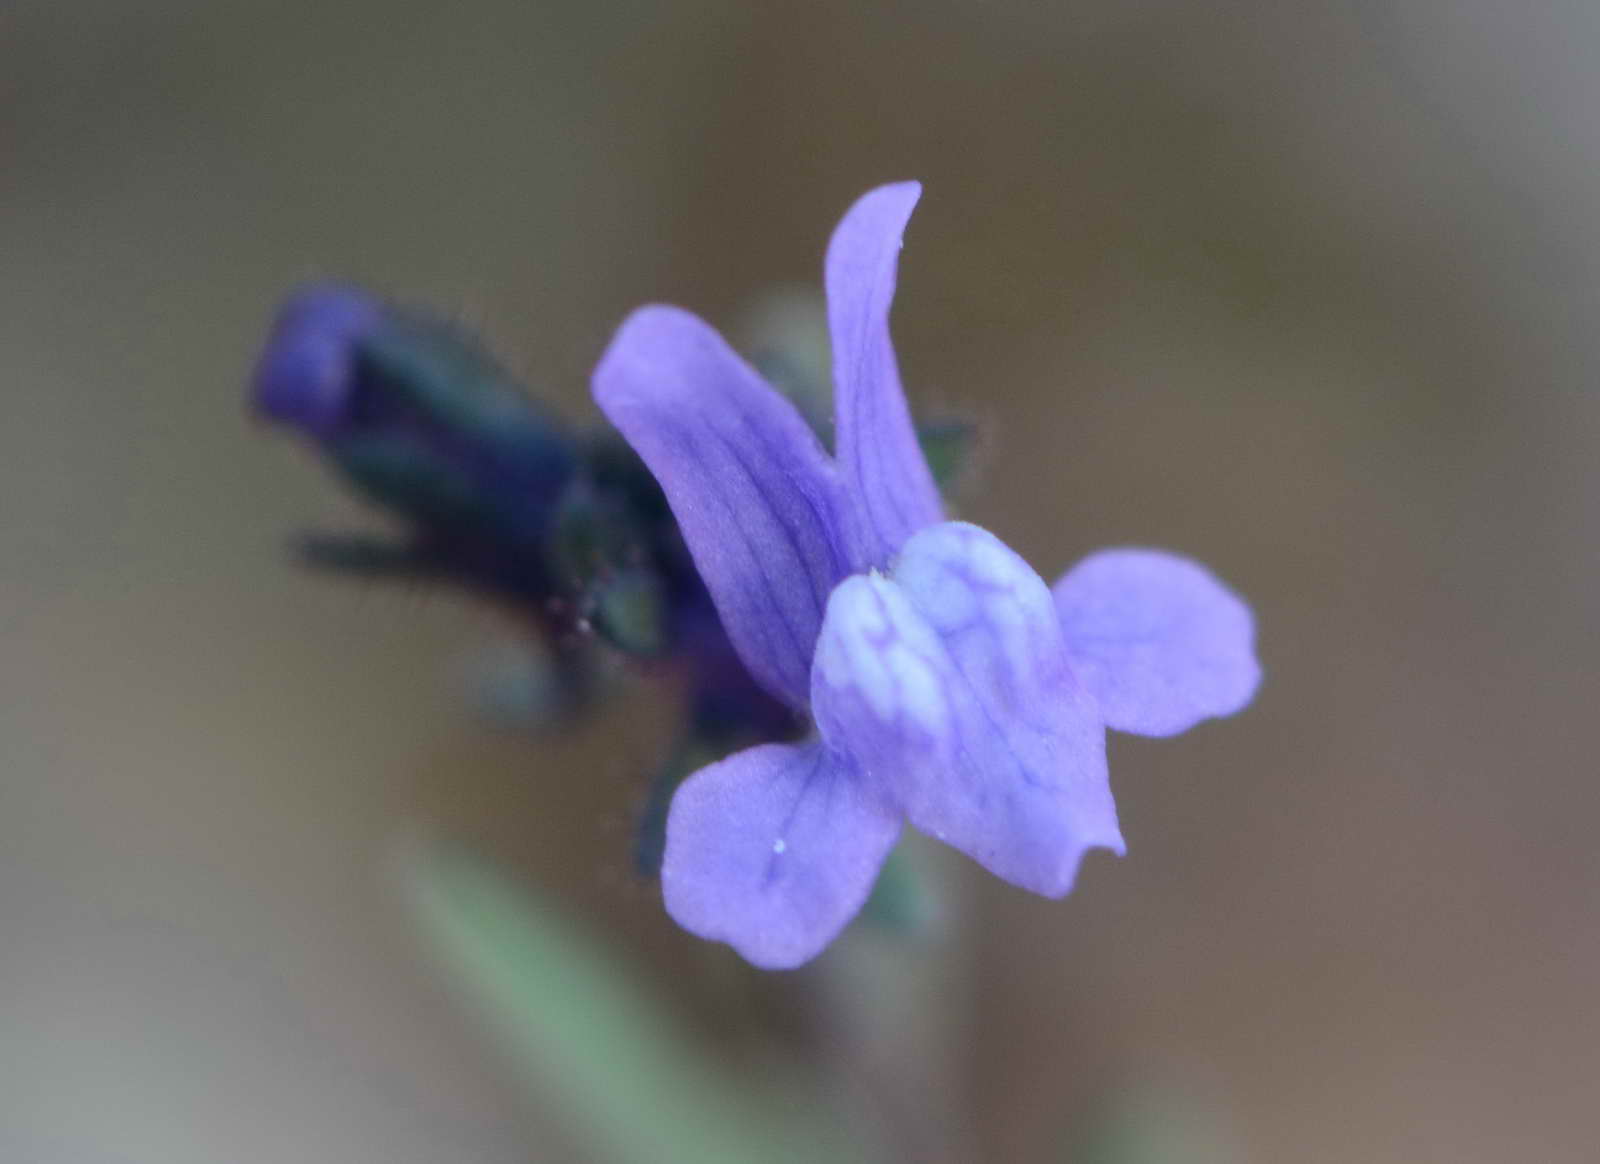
point(591, 1043)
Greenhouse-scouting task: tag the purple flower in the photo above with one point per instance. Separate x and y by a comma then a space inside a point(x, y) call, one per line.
point(949, 686)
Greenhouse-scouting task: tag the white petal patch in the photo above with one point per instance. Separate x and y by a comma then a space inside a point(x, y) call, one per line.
point(994, 613)
point(875, 646)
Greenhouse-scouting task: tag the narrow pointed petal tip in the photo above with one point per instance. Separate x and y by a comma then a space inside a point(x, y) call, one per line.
point(1160, 642)
point(774, 850)
point(749, 483)
point(307, 371)
point(948, 681)
point(878, 451)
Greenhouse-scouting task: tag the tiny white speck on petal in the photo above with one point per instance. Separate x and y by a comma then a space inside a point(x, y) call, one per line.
point(778, 845)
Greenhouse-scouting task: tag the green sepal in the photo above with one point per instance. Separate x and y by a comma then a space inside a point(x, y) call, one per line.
point(396, 472)
point(449, 377)
point(628, 610)
point(593, 534)
point(363, 556)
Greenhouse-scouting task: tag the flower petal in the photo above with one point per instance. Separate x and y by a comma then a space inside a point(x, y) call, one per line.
point(774, 850)
point(1157, 639)
point(949, 683)
point(752, 489)
point(876, 444)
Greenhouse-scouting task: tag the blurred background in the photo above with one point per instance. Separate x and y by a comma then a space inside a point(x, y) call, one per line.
point(1305, 291)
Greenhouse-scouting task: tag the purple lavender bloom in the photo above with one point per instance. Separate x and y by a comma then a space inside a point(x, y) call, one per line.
point(949, 686)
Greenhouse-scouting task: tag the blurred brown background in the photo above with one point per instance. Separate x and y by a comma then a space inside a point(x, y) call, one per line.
point(1306, 291)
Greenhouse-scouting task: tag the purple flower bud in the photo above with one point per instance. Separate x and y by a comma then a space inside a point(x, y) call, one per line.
point(417, 414)
point(307, 373)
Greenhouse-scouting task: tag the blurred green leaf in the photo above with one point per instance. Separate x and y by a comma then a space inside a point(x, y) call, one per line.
point(590, 1041)
point(1153, 1125)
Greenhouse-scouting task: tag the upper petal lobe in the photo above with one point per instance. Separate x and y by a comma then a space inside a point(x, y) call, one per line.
point(893, 490)
point(1158, 640)
point(758, 502)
